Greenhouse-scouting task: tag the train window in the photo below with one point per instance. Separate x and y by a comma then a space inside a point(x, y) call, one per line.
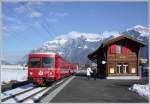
point(47, 62)
point(34, 62)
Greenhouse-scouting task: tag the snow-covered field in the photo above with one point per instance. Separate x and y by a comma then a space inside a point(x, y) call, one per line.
point(13, 74)
point(142, 90)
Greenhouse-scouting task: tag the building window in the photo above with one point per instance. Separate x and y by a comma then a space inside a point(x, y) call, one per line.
point(122, 68)
point(118, 49)
point(112, 70)
point(133, 70)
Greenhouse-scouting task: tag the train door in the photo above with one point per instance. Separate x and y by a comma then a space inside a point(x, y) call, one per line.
point(57, 66)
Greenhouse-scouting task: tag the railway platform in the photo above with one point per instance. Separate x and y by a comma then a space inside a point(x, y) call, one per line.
point(77, 89)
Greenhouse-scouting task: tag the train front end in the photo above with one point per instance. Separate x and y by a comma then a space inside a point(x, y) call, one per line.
point(41, 68)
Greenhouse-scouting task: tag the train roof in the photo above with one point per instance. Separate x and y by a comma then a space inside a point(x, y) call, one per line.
point(51, 53)
point(43, 54)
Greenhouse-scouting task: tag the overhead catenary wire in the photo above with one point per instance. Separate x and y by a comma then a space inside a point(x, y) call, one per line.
point(44, 24)
point(49, 26)
point(47, 23)
point(13, 34)
point(44, 27)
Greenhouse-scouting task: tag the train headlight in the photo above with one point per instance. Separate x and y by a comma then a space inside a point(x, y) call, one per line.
point(51, 73)
point(30, 73)
point(40, 72)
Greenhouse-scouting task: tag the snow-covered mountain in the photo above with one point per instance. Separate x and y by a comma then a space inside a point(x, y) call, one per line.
point(141, 33)
point(75, 46)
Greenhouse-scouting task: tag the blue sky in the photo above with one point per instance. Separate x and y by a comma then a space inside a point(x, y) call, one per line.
point(26, 25)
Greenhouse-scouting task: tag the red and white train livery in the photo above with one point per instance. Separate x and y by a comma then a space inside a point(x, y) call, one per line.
point(45, 67)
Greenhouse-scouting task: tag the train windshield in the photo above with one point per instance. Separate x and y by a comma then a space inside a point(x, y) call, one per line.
point(47, 62)
point(35, 62)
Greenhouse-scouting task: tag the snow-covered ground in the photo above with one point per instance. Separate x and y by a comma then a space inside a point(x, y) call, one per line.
point(142, 90)
point(13, 74)
point(17, 90)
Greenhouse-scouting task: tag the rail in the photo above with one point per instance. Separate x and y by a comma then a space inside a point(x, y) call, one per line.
point(28, 93)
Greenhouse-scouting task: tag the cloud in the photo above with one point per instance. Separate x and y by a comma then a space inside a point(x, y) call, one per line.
point(35, 3)
point(12, 28)
point(58, 14)
point(8, 18)
point(28, 10)
point(5, 28)
point(53, 20)
point(11, 24)
point(35, 14)
point(21, 9)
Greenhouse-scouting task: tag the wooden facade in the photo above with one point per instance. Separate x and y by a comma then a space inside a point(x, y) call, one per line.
point(118, 57)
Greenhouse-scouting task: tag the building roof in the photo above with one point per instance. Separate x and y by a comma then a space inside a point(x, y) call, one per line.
point(93, 55)
point(124, 37)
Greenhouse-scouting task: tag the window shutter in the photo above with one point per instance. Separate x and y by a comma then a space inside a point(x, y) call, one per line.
point(113, 48)
point(125, 49)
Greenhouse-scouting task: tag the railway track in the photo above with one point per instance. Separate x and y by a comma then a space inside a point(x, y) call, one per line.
point(27, 94)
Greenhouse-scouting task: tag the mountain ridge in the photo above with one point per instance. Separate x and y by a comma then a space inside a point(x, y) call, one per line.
point(75, 46)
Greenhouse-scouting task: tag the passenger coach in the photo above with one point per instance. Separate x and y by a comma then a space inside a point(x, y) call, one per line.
point(46, 67)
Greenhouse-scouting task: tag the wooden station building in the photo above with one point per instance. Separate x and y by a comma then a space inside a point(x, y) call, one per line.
point(118, 57)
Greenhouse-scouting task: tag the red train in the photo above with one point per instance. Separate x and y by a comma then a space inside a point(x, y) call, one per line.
point(46, 67)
